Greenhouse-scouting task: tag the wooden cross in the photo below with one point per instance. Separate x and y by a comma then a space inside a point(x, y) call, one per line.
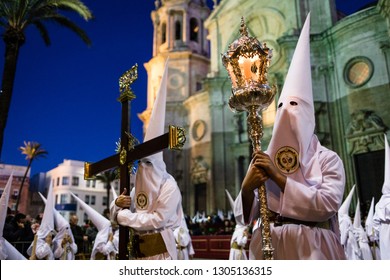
point(129, 152)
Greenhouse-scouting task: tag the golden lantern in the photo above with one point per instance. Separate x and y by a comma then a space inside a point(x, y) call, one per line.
point(247, 62)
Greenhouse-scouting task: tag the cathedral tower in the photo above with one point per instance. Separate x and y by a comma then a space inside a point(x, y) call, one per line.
point(179, 34)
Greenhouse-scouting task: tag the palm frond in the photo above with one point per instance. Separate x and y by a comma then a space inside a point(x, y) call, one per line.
point(63, 21)
point(43, 31)
point(22, 9)
point(74, 6)
point(32, 150)
point(21, 13)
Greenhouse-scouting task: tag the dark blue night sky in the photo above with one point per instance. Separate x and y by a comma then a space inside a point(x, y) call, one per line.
point(65, 95)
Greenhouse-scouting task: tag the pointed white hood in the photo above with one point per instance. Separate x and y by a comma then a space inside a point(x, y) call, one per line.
point(369, 223)
point(382, 208)
point(220, 214)
point(114, 194)
point(4, 203)
point(102, 224)
point(360, 234)
point(97, 219)
point(293, 144)
point(230, 198)
point(47, 223)
point(237, 215)
point(357, 221)
point(344, 208)
point(196, 218)
point(345, 221)
point(61, 224)
point(12, 252)
point(151, 171)
point(4, 250)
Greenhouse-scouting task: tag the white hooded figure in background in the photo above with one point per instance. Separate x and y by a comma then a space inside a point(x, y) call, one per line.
point(103, 245)
point(7, 250)
point(114, 224)
point(372, 233)
point(42, 246)
point(348, 239)
point(361, 236)
point(185, 251)
point(382, 210)
point(155, 210)
point(239, 237)
point(304, 180)
point(64, 247)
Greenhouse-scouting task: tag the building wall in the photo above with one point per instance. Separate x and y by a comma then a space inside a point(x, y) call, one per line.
point(186, 101)
point(350, 118)
point(18, 174)
point(68, 177)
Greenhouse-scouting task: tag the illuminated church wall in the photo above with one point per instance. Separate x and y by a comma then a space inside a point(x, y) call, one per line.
point(217, 150)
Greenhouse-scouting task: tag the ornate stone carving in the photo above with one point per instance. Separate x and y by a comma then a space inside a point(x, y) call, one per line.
point(365, 132)
point(199, 170)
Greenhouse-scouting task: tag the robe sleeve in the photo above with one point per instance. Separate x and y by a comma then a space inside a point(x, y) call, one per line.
point(43, 250)
point(238, 208)
point(182, 237)
point(319, 202)
point(165, 207)
point(106, 248)
point(115, 209)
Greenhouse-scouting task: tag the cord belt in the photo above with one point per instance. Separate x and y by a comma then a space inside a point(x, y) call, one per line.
point(236, 246)
point(147, 245)
point(180, 247)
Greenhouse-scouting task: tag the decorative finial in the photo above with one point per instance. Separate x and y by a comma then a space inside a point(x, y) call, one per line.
point(243, 28)
point(125, 82)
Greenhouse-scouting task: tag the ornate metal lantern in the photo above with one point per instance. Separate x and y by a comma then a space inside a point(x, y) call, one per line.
point(247, 62)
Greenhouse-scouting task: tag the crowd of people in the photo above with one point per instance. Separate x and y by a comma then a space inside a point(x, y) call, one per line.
point(20, 229)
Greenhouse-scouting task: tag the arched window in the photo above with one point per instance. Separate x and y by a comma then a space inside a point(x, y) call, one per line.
point(177, 30)
point(163, 33)
point(194, 30)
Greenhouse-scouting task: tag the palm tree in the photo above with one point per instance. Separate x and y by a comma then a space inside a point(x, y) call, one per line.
point(32, 150)
point(107, 177)
point(15, 17)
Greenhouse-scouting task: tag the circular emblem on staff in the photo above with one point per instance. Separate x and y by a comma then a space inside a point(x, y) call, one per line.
point(142, 200)
point(286, 160)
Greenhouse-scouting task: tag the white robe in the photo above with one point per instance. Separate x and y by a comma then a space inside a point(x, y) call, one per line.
point(241, 239)
point(164, 216)
point(71, 249)
point(348, 239)
point(3, 249)
point(43, 250)
point(362, 239)
point(374, 239)
point(184, 242)
point(8, 251)
point(115, 244)
point(104, 246)
point(382, 225)
point(299, 201)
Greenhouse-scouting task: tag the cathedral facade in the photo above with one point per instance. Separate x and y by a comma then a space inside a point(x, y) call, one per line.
point(350, 57)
